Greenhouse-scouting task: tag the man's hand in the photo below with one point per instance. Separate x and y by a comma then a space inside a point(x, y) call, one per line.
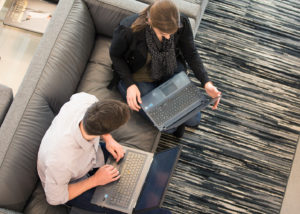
point(113, 147)
point(213, 92)
point(134, 97)
point(105, 175)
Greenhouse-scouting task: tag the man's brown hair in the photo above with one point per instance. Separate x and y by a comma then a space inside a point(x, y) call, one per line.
point(105, 116)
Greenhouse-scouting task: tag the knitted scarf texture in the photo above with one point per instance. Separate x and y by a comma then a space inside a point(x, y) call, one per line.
point(163, 56)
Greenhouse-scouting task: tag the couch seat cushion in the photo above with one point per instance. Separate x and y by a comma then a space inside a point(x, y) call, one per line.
point(38, 204)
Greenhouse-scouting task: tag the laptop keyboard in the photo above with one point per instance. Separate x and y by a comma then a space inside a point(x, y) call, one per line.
point(123, 189)
point(174, 105)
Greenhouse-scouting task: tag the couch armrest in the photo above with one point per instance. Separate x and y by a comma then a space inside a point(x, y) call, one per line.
point(6, 98)
point(203, 5)
point(52, 77)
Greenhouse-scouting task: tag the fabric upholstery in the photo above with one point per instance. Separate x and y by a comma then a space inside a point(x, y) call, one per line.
point(38, 204)
point(51, 79)
point(6, 98)
point(68, 57)
point(112, 12)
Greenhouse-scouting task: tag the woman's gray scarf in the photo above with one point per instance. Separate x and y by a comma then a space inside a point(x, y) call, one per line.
point(163, 61)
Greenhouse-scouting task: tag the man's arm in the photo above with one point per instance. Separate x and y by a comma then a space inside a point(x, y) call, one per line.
point(114, 148)
point(104, 175)
point(76, 189)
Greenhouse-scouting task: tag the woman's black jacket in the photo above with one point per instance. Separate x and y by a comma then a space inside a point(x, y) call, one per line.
point(128, 50)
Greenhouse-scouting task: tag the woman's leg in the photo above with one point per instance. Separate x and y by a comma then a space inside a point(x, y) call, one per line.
point(178, 132)
point(122, 89)
point(180, 67)
point(194, 121)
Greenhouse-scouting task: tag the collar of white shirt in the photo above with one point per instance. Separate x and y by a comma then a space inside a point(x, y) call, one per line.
point(86, 145)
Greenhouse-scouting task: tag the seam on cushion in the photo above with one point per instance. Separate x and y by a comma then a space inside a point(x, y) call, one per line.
point(34, 92)
point(100, 63)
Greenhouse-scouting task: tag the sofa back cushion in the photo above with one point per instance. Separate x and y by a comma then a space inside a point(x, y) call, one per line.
point(51, 79)
point(107, 14)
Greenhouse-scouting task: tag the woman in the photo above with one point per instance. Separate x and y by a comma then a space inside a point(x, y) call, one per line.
point(149, 48)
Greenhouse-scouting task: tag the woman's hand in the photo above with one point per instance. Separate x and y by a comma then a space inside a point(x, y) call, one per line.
point(213, 92)
point(134, 97)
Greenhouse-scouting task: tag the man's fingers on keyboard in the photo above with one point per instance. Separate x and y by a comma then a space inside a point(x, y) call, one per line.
point(121, 155)
point(116, 178)
point(114, 169)
point(118, 154)
point(114, 154)
point(108, 167)
point(115, 173)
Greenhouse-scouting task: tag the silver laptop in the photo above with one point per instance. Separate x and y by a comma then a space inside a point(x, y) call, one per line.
point(174, 102)
point(138, 187)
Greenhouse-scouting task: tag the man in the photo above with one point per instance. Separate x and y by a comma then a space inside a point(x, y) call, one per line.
point(70, 150)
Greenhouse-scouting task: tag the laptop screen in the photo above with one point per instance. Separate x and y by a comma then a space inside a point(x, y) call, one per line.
point(158, 178)
point(168, 88)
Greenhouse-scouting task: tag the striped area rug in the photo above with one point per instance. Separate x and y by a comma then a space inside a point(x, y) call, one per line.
point(238, 160)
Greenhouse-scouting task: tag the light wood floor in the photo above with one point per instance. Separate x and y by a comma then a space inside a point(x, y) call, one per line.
point(17, 47)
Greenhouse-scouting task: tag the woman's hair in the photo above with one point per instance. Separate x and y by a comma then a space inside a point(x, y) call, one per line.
point(105, 116)
point(164, 16)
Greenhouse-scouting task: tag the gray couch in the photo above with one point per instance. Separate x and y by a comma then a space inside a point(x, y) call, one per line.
point(6, 98)
point(72, 57)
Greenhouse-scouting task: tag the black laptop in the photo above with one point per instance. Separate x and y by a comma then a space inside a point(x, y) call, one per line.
point(143, 182)
point(174, 102)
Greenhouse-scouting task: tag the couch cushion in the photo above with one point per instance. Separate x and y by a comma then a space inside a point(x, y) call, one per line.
point(112, 12)
point(38, 204)
point(138, 132)
point(100, 54)
point(6, 97)
point(68, 57)
point(51, 79)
